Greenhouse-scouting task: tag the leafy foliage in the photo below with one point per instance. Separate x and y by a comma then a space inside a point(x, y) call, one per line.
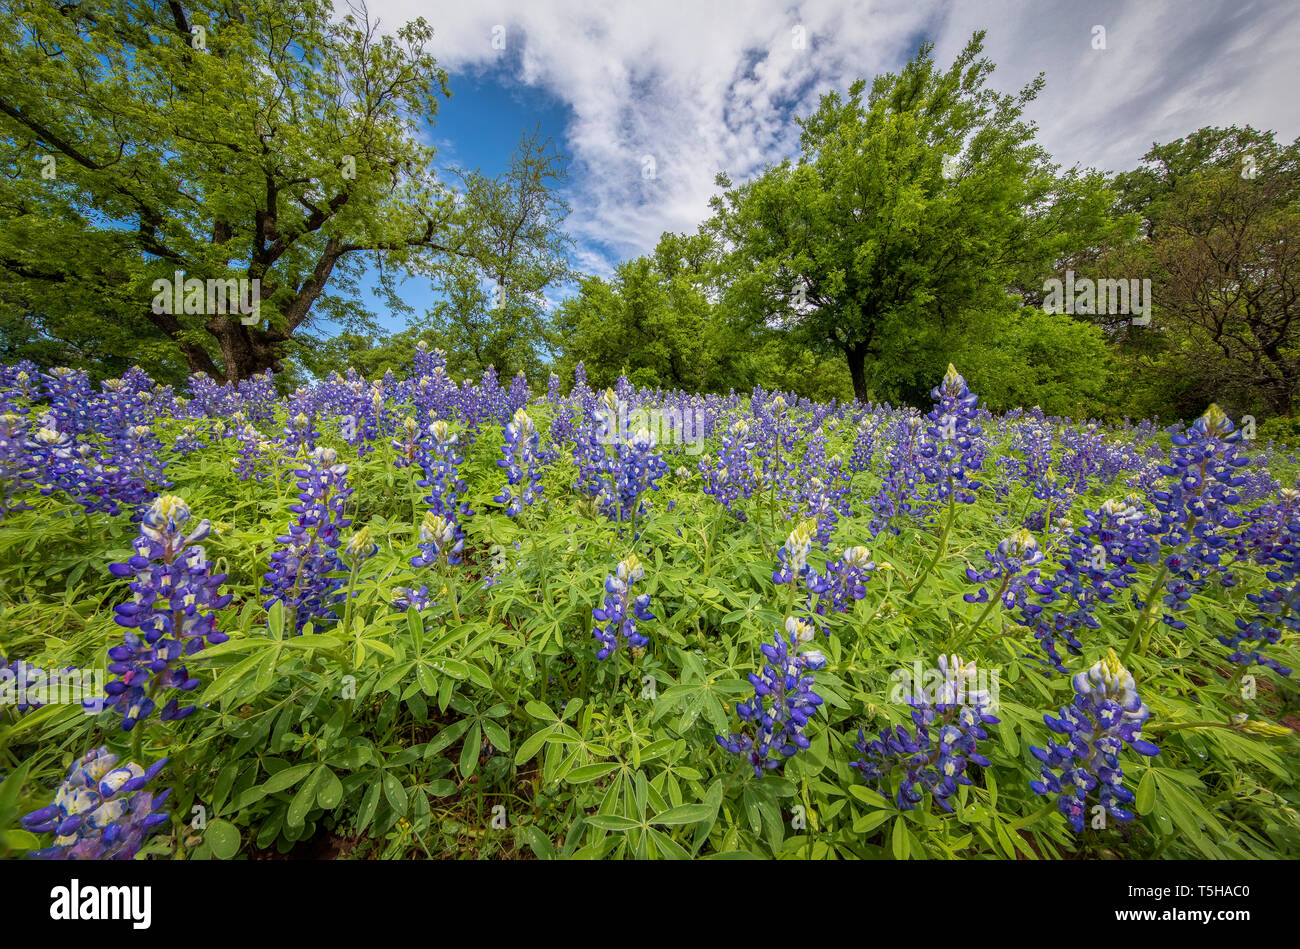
point(269, 142)
point(483, 723)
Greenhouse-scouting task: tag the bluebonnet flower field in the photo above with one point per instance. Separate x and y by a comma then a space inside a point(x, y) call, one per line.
point(414, 616)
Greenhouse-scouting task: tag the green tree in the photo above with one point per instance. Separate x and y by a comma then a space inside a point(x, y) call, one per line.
point(268, 141)
point(651, 324)
point(909, 207)
point(1062, 365)
point(1220, 214)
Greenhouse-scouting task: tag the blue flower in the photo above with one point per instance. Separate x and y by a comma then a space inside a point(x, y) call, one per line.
point(1196, 507)
point(522, 459)
point(793, 554)
point(1106, 715)
point(619, 481)
point(1100, 559)
point(783, 704)
point(731, 479)
point(896, 495)
point(1013, 555)
point(441, 539)
point(621, 610)
point(304, 569)
point(954, 453)
point(101, 811)
point(934, 760)
point(170, 615)
point(406, 597)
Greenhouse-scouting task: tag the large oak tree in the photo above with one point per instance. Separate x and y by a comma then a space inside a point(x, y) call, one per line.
point(912, 208)
point(269, 141)
point(1220, 213)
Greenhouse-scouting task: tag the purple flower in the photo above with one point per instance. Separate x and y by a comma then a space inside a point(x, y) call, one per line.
point(783, 704)
point(1107, 714)
point(1272, 540)
point(731, 479)
point(441, 539)
point(16, 471)
point(441, 462)
point(522, 460)
point(1195, 509)
point(406, 597)
point(954, 452)
point(170, 616)
point(100, 811)
point(1099, 559)
point(305, 567)
point(1013, 556)
point(934, 757)
point(621, 610)
point(897, 492)
point(621, 480)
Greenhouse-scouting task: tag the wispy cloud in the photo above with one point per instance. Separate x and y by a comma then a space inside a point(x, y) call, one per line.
point(697, 87)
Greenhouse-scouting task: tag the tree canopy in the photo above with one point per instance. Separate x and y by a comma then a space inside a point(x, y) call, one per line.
point(920, 223)
point(257, 141)
point(910, 207)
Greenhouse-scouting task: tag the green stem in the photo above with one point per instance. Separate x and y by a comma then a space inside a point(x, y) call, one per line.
point(708, 549)
point(415, 504)
point(1172, 726)
point(1141, 621)
point(541, 562)
point(993, 601)
point(943, 544)
point(347, 609)
point(451, 596)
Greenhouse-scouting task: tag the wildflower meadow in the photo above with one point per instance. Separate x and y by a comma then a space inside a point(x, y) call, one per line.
point(419, 616)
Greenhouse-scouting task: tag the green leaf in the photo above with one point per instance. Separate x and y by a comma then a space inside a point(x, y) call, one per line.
point(469, 752)
point(540, 844)
point(611, 822)
point(330, 792)
point(684, 814)
point(415, 626)
point(1146, 792)
point(369, 804)
point(869, 796)
point(11, 787)
point(275, 620)
point(478, 676)
point(427, 680)
point(283, 780)
point(899, 840)
point(223, 838)
point(532, 744)
point(313, 641)
point(19, 839)
point(869, 822)
point(499, 737)
point(395, 794)
point(303, 801)
point(589, 772)
point(668, 847)
point(539, 711)
point(445, 737)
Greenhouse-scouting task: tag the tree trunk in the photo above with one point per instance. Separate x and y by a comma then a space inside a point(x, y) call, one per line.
point(856, 354)
point(244, 350)
point(196, 357)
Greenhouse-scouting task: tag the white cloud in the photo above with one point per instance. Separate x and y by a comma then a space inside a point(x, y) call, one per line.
point(704, 86)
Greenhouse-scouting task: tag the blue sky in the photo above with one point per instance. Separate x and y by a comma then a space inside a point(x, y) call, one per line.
point(478, 128)
point(701, 86)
